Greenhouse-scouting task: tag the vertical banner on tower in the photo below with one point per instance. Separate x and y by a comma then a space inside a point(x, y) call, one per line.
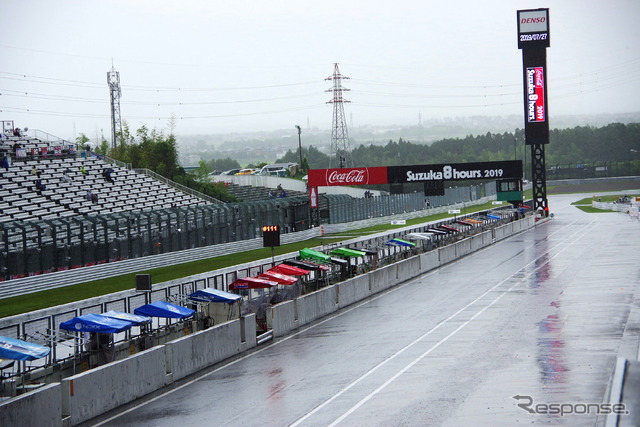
point(535, 95)
point(533, 39)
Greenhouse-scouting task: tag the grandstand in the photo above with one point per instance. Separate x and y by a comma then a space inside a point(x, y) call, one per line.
point(140, 213)
point(129, 190)
point(59, 218)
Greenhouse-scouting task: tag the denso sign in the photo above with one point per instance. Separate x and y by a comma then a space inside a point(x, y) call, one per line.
point(533, 21)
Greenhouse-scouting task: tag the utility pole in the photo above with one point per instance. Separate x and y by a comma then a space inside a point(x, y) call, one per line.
point(339, 135)
point(299, 145)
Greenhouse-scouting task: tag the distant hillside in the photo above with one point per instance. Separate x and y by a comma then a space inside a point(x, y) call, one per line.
point(267, 146)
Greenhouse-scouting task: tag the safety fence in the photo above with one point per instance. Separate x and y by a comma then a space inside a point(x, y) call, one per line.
point(72, 352)
point(30, 248)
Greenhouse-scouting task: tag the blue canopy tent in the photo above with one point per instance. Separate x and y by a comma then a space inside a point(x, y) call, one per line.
point(164, 309)
point(400, 242)
point(96, 323)
point(213, 312)
point(14, 349)
point(133, 318)
point(214, 295)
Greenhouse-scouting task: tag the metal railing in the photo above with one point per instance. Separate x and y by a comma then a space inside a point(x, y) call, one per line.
point(42, 327)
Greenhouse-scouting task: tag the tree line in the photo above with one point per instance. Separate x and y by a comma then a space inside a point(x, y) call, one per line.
point(157, 151)
point(614, 142)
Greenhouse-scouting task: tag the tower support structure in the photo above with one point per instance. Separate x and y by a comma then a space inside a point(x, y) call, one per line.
point(113, 79)
point(340, 147)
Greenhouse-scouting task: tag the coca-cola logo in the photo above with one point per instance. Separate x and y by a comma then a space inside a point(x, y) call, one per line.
point(352, 176)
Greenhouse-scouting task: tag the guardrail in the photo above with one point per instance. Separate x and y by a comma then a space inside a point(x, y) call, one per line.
point(58, 279)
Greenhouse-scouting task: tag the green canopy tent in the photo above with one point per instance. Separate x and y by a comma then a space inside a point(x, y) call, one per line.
point(314, 255)
point(346, 252)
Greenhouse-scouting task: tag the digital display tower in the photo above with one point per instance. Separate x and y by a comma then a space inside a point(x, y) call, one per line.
point(533, 40)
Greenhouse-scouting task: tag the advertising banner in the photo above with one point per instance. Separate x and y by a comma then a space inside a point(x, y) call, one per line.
point(535, 94)
point(455, 171)
point(347, 176)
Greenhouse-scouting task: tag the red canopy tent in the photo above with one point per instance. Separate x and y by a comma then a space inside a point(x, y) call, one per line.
point(251, 283)
point(282, 279)
point(289, 270)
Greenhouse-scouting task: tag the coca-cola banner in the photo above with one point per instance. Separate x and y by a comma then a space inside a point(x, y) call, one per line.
point(347, 176)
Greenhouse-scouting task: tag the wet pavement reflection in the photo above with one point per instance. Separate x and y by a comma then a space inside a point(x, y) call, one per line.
point(526, 331)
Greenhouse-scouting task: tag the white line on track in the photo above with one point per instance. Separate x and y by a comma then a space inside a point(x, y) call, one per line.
point(303, 330)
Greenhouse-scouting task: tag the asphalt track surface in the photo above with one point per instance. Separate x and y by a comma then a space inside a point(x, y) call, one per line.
point(542, 316)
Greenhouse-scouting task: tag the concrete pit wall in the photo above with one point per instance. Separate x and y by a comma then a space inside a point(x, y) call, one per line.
point(84, 396)
point(192, 353)
point(99, 390)
point(41, 407)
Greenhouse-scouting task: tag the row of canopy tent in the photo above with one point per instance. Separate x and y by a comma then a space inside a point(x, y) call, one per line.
point(282, 274)
point(117, 321)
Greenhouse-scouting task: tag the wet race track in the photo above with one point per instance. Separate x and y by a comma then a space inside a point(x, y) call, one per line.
point(542, 316)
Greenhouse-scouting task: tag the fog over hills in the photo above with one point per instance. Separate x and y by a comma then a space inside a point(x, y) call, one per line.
point(268, 145)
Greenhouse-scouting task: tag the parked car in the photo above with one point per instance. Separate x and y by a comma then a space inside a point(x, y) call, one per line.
point(245, 172)
point(230, 172)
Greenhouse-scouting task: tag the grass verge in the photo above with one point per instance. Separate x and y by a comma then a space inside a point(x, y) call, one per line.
point(39, 300)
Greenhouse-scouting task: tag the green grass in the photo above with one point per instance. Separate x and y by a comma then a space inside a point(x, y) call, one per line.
point(67, 294)
point(609, 199)
point(589, 209)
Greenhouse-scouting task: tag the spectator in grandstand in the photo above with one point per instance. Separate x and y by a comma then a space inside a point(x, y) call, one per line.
point(107, 175)
point(94, 198)
point(83, 170)
point(283, 194)
point(65, 176)
point(16, 132)
point(4, 163)
point(39, 185)
point(89, 195)
point(34, 171)
point(271, 195)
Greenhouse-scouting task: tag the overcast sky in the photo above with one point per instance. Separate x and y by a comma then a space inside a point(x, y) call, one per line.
point(223, 66)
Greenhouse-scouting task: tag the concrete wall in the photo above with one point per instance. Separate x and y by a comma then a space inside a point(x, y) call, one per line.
point(353, 290)
point(281, 318)
point(447, 254)
point(463, 248)
point(41, 407)
point(99, 390)
point(408, 269)
point(383, 278)
point(248, 332)
point(429, 261)
point(194, 352)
